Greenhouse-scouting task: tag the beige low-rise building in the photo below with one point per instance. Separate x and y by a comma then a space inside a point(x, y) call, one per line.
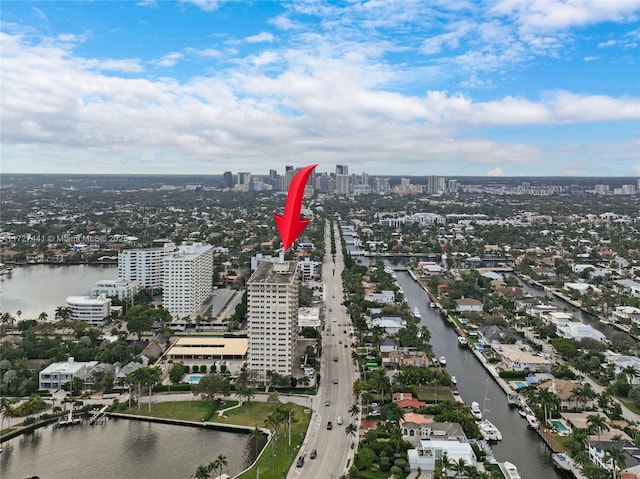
point(191, 350)
point(521, 357)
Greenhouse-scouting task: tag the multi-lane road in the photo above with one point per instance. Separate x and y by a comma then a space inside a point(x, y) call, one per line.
point(333, 446)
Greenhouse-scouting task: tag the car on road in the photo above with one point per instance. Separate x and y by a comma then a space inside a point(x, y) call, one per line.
point(333, 295)
point(327, 403)
point(300, 462)
point(313, 454)
point(329, 426)
point(340, 421)
point(335, 359)
point(335, 380)
point(339, 342)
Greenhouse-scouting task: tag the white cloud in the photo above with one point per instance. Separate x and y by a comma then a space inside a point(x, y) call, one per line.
point(591, 58)
point(608, 43)
point(495, 172)
point(206, 5)
point(169, 60)
point(450, 40)
point(260, 37)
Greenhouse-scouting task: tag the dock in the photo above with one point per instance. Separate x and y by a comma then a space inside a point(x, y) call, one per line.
point(565, 463)
point(99, 416)
point(68, 420)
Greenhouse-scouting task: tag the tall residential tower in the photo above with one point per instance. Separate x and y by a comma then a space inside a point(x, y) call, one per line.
point(272, 314)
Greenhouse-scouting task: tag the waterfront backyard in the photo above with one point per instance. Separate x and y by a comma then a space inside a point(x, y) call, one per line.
point(278, 455)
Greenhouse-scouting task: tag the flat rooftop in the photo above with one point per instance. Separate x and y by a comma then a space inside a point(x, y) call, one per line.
point(209, 346)
point(274, 273)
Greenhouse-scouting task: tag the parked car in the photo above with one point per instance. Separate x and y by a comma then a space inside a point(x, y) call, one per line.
point(313, 454)
point(300, 462)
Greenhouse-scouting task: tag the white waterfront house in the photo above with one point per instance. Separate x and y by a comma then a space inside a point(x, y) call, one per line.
point(56, 375)
point(86, 308)
point(424, 456)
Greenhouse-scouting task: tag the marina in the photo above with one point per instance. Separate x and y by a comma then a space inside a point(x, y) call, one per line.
point(521, 444)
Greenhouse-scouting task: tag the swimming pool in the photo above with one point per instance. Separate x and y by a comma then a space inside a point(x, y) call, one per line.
point(560, 426)
point(193, 378)
point(519, 384)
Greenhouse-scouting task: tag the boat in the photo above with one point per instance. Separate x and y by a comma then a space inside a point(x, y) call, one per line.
point(432, 305)
point(489, 431)
point(454, 380)
point(475, 408)
point(462, 341)
point(416, 312)
point(512, 400)
point(533, 422)
point(561, 461)
point(442, 360)
point(511, 470)
point(522, 412)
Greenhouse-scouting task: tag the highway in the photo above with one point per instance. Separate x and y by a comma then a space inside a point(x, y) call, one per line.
point(333, 446)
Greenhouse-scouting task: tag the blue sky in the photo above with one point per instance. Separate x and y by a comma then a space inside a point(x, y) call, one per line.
point(404, 87)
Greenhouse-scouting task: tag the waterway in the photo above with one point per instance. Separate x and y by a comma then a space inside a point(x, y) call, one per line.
point(39, 288)
point(122, 448)
point(520, 445)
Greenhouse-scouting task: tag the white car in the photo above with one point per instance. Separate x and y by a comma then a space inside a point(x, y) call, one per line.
point(339, 421)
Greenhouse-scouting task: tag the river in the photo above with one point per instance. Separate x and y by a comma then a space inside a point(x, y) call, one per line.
point(121, 448)
point(39, 288)
point(520, 445)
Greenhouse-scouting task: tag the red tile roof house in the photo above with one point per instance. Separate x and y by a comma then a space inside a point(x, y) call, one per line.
point(407, 401)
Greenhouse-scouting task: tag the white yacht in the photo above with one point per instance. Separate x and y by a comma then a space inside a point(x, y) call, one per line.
point(454, 380)
point(489, 431)
point(416, 312)
point(442, 360)
point(511, 470)
point(533, 422)
point(462, 341)
point(432, 305)
point(475, 408)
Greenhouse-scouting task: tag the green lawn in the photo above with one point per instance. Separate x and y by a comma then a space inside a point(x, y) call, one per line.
point(631, 406)
point(277, 458)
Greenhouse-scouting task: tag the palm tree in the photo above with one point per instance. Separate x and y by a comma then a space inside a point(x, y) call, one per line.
point(213, 466)
point(43, 317)
point(459, 467)
point(444, 461)
point(202, 472)
point(222, 461)
point(152, 377)
point(547, 399)
point(630, 372)
point(614, 455)
point(597, 423)
point(351, 429)
point(5, 411)
point(354, 410)
point(255, 437)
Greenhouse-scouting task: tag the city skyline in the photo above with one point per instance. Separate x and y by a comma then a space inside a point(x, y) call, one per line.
point(394, 88)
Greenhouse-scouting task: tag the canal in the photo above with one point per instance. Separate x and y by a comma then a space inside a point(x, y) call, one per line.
point(520, 445)
point(122, 448)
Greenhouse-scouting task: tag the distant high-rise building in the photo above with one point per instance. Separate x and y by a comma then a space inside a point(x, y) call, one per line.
point(432, 184)
point(289, 173)
point(342, 170)
point(343, 183)
point(228, 179)
point(187, 284)
point(144, 266)
point(272, 318)
point(244, 179)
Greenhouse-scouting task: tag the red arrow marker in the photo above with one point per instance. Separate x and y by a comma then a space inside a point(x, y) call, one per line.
point(290, 225)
